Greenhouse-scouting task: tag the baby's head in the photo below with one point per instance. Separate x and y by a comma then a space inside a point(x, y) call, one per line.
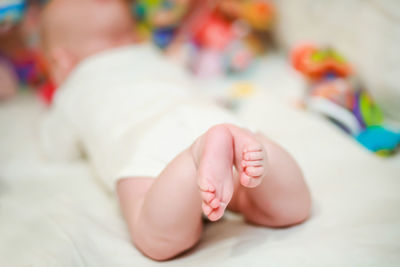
point(75, 29)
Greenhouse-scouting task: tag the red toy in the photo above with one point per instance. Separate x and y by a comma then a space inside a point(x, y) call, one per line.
point(316, 64)
point(215, 33)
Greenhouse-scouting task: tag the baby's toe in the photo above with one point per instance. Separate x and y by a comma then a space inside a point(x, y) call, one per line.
point(205, 186)
point(216, 214)
point(253, 148)
point(254, 171)
point(206, 209)
point(248, 181)
point(244, 179)
point(207, 196)
point(253, 156)
point(256, 163)
point(215, 203)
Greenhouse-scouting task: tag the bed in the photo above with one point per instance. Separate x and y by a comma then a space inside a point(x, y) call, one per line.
point(58, 214)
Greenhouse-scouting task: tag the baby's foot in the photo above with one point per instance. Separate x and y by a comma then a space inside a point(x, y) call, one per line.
point(215, 174)
point(254, 165)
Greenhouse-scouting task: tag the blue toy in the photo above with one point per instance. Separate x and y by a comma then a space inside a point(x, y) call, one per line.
point(379, 140)
point(163, 37)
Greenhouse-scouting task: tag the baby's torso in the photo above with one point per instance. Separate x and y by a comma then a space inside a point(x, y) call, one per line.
point(115, 91)
point(114, 98)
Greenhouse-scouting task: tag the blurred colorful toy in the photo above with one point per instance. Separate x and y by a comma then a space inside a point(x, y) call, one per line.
point(232, 29)
point(238, 57)
point(318, 64)
point(379, 140)
point(206, 63)
point(215, 33)
point(366, 111)
point(225, 36)
point(158, 19)
point(28, 68)
point(338, 91)
point(19, 51)
point(333, 93)
point(209, 43)
point(259, 14)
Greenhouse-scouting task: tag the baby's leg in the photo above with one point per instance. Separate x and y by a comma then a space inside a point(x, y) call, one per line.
point(164, 214)
point(281, 199)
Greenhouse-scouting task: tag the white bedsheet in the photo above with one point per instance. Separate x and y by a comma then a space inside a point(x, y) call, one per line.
point(56, 214)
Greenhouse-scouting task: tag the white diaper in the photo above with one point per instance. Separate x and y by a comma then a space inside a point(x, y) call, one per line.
point(168, 136)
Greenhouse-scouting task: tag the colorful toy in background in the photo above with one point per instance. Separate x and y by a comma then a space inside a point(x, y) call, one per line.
point(317, 64)
point(334, 93)
point(20, 60)
point(31, 71)
point(258, 14)
point(223, 36)
point(158, 20)
point(27, 69)
point(229, 37)
point(217, 48)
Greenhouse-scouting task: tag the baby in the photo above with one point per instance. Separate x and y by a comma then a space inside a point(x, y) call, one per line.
point(169, 155)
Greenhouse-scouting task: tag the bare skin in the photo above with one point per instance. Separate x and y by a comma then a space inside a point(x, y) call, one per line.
point(164, 214)
point(227, 167)
point(73, 30)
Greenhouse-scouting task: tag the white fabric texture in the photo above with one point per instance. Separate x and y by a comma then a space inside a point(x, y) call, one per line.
point(57, 214)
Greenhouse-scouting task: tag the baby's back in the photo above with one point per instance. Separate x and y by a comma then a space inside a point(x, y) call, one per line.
point(122, 87)
point(116, 93)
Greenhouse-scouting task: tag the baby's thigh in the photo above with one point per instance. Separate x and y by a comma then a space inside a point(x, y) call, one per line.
point(131, 191)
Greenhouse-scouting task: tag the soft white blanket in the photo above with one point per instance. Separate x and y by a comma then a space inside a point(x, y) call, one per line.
point(57, 214)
